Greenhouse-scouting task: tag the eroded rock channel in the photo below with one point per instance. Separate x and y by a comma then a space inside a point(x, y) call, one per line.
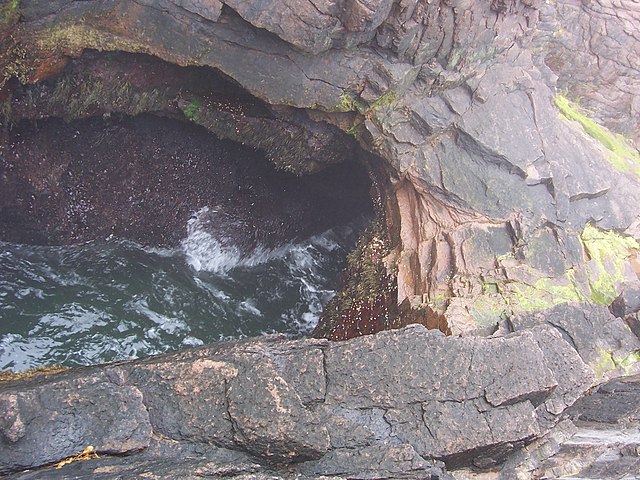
point(498, 143)
point(229, 239)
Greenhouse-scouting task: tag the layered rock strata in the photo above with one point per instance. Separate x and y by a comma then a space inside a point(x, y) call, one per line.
point(488, 188)
point(383, 406)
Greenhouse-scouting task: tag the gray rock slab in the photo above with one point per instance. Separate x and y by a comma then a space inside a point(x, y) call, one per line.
point(399, 398)
point(41, 424)
point(599, 438)
point(604, 342)
point(574, 377)
point(393, 370)
point(270, 419)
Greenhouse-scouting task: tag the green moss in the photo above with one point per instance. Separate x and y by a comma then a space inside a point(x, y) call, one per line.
point(608, 252)
point(76, 37)
point(353, 131)
point(16, 65)
point(367, 282)
point(192, 110)
point(350, 102)
point(82, 96)
point(9, 14)
point(384, 101)
point(622, 156)
point(454, 59)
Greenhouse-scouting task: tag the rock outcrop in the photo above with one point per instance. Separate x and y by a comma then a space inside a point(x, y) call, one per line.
point(385, 406)
point(485, 183)
point(505, 207)
point(594, 49)
point(408, 394)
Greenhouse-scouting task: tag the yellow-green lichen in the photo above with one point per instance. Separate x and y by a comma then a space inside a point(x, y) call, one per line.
point(486, 310)
point(622, 156)
point(544, 293)
point(604, 364)
point(608, 253)
point(79, 37)
point(631, 363)
point(350, 102)
point(454, 59)
point(439, 302)
point(607, 362)
point(9, 14)
point(384, 101)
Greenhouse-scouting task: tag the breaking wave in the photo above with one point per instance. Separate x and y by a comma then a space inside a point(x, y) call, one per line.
point(112, 300)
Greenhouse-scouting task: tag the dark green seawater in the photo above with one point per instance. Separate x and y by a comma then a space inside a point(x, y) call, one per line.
point(112, 300)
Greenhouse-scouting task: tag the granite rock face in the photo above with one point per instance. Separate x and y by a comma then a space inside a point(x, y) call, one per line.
point(407, 399)
point(483, 178)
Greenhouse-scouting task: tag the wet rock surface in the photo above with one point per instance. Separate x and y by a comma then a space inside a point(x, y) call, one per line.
point(508, 210)
point(144, 178)
point(393, 405)
point(386, 395)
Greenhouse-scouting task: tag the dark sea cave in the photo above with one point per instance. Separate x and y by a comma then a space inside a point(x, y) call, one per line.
point(127, 236)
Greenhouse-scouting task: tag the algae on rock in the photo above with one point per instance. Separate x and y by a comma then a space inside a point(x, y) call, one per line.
point(598, 281)
point(622, 156)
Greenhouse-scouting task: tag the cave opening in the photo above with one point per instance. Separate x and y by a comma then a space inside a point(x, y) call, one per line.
point(146, 207)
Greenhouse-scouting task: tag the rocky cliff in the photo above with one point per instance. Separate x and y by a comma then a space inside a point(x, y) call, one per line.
point(501, 139)
point(496, 171)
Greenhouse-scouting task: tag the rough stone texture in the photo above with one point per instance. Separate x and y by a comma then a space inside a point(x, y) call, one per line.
point(628, 302)
point(573, 376)
point(594, 49)
point(453, 95)
point(373, 407)
point(604, 342)
point(599, 439)
point(72, 413)
point(486, 191)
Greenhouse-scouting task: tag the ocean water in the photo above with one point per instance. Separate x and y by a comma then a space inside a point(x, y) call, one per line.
point(111, 300)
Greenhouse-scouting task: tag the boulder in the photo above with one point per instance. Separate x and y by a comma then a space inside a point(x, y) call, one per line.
point(373, 407)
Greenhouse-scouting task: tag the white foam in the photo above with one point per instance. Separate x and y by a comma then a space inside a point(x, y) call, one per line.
point(170, 325)
point(190, 341)
point(249, 306)
point(206, 253)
